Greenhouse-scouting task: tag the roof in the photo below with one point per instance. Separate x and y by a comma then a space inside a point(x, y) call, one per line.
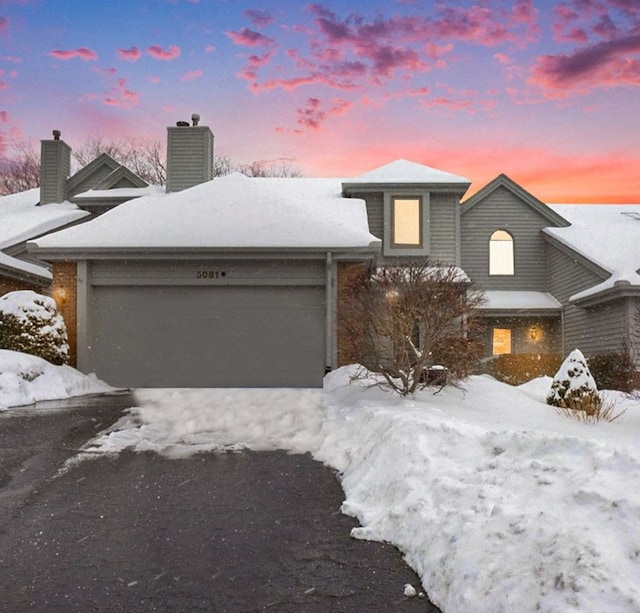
point(21, 218)
point(404, 171)
point(228, 212)
point(519, 301)
point(15, 266)
point(606, 234)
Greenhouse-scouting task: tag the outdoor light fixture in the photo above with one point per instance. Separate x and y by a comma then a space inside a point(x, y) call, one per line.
point(534, 333)
point(60, 295)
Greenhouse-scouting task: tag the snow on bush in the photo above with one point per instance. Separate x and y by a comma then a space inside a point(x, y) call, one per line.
point(30, 323)
point(573, 383)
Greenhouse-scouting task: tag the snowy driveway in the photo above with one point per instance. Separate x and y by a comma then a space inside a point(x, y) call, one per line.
point(243, 531)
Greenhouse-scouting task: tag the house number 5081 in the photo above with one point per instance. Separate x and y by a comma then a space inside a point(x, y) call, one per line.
point(209, 274)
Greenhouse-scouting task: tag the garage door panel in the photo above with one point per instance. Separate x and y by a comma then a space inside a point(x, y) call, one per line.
point(210, 336)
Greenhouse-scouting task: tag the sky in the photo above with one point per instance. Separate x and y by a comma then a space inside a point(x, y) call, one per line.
point(545, 91)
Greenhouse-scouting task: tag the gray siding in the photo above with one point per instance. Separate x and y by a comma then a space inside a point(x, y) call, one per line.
point(96, 177)
point(189, 157)
point(55, 165)
point(548, 328)
point(600, 329)
point(503, 210)
point(443, 224)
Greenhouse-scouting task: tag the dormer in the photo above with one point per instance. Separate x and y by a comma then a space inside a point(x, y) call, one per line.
point(412, 208)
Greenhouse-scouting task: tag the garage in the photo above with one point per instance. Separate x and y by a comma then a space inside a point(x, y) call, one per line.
point(259, 325)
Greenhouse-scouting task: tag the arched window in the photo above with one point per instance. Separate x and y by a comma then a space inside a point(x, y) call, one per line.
point(501, 253)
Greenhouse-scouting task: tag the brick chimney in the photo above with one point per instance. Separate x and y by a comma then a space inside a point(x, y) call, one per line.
point(189, 155)
point(55, 166)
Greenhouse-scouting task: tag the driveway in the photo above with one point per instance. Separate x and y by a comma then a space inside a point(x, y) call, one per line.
point(138, 532)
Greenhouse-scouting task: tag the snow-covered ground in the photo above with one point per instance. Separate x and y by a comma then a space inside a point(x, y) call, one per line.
point(498, 502)
point(26, 379)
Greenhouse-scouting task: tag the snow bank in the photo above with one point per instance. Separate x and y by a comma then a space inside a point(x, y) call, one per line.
point(25, 379)
point(498, 502)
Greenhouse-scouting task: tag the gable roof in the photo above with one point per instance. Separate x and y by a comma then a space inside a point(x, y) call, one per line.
point(230, 212)
point(504, 181)
point(609, 236)
point(93, 167)
point(121, 177)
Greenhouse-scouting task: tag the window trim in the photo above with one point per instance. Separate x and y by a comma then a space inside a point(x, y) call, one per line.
point(513, 254)
point(495, 329)
point(394, 244)
point(398, 250)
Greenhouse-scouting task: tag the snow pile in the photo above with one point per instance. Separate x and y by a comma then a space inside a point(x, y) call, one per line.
point(25, 379)
point(498, 502)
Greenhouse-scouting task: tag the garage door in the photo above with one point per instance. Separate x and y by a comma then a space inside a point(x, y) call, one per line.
point(261, 336)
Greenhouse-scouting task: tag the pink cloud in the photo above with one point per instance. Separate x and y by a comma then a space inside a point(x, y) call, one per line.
point(132, 54)
point(312, 115)
point(502, 58)
point(11, 59)
point(4, 117)
point(166, 55)
point(259, 18)
point(85, 54)
point(250, 38)
point(153, 79)
point(121, 96)
point(4, 24)
point(191, 75)
point(105, 71)
point(209, 49)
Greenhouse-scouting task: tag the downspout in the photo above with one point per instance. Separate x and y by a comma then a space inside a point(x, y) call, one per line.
point(328, 343)
point(562, 347)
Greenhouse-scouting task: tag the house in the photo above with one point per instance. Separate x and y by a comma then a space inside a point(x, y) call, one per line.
point(237, 281)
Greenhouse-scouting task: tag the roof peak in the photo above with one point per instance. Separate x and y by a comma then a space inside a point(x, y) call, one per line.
point(406, 171)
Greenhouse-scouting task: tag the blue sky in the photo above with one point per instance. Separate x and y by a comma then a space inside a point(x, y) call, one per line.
point(544, 91)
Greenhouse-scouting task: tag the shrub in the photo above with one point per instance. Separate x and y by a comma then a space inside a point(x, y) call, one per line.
point(30, 323)
point(518, 368)
point(613, 371)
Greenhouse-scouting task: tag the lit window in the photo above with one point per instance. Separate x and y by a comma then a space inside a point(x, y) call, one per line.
point(501, 341)
point(407, 223)
point(501, 253)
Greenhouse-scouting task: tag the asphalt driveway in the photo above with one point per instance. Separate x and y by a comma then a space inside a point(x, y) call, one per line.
point(138, 532)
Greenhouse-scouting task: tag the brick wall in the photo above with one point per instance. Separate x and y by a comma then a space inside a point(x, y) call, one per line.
point(65, 292)
point(12, 285)
point(345, 270)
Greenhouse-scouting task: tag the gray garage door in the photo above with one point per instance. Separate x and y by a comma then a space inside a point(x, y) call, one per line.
point(210, 336)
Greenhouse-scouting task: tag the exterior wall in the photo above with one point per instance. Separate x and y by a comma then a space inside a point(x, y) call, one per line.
point(344, 271)
point(503, 210)
point(13, 285)
point(55, 158)
point(443, 224)
point(92, 180)
point(64, 291)
point(600, 329)
point(548, 340)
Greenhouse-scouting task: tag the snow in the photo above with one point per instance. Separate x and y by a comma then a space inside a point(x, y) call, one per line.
point(21, 219)
point(7, 261)
point(522, 300)
point(499, 503)
point(120, 192)
point(594, 229)
point(233, 211)
point(404, 171)
point(26, 379)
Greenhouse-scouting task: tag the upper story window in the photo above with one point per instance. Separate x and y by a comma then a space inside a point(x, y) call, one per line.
point(406, 222)
point(501, 260)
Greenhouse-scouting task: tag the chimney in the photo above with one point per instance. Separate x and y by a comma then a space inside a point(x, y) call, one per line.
point(55, 166)
point(189, 154)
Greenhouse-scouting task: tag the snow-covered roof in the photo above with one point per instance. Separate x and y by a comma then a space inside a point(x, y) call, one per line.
point(234, 211)
point(404, 171)
point(606, 234)
point(14, 264)
point(520, 300)
point(124, 193)
point(21, 218)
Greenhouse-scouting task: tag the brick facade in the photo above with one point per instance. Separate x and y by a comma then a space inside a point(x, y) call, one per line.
point(13, 285)
point(65, 292)
point(345, 270)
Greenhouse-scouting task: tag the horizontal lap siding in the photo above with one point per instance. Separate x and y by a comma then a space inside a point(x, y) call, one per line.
point(594, 330)
point(444, 208)
point(503, 210)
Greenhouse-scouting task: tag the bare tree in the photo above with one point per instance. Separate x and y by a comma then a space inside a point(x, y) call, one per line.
point(400, 322)
point(263, 168)
point(21, 171)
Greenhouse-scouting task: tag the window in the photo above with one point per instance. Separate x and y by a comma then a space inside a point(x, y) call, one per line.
point(501, 341)
point(501, 253)
point(406, 219)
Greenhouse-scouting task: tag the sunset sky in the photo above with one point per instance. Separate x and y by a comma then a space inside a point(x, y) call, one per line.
point(547, 92)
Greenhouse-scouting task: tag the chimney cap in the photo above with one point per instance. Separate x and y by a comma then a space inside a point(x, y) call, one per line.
point(195, 117)
point(56, 134)
point(182, 124)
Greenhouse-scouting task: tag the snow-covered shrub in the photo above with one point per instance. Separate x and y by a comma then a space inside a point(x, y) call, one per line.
point(574, 384)
point(575, 394)
point(30, 323)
